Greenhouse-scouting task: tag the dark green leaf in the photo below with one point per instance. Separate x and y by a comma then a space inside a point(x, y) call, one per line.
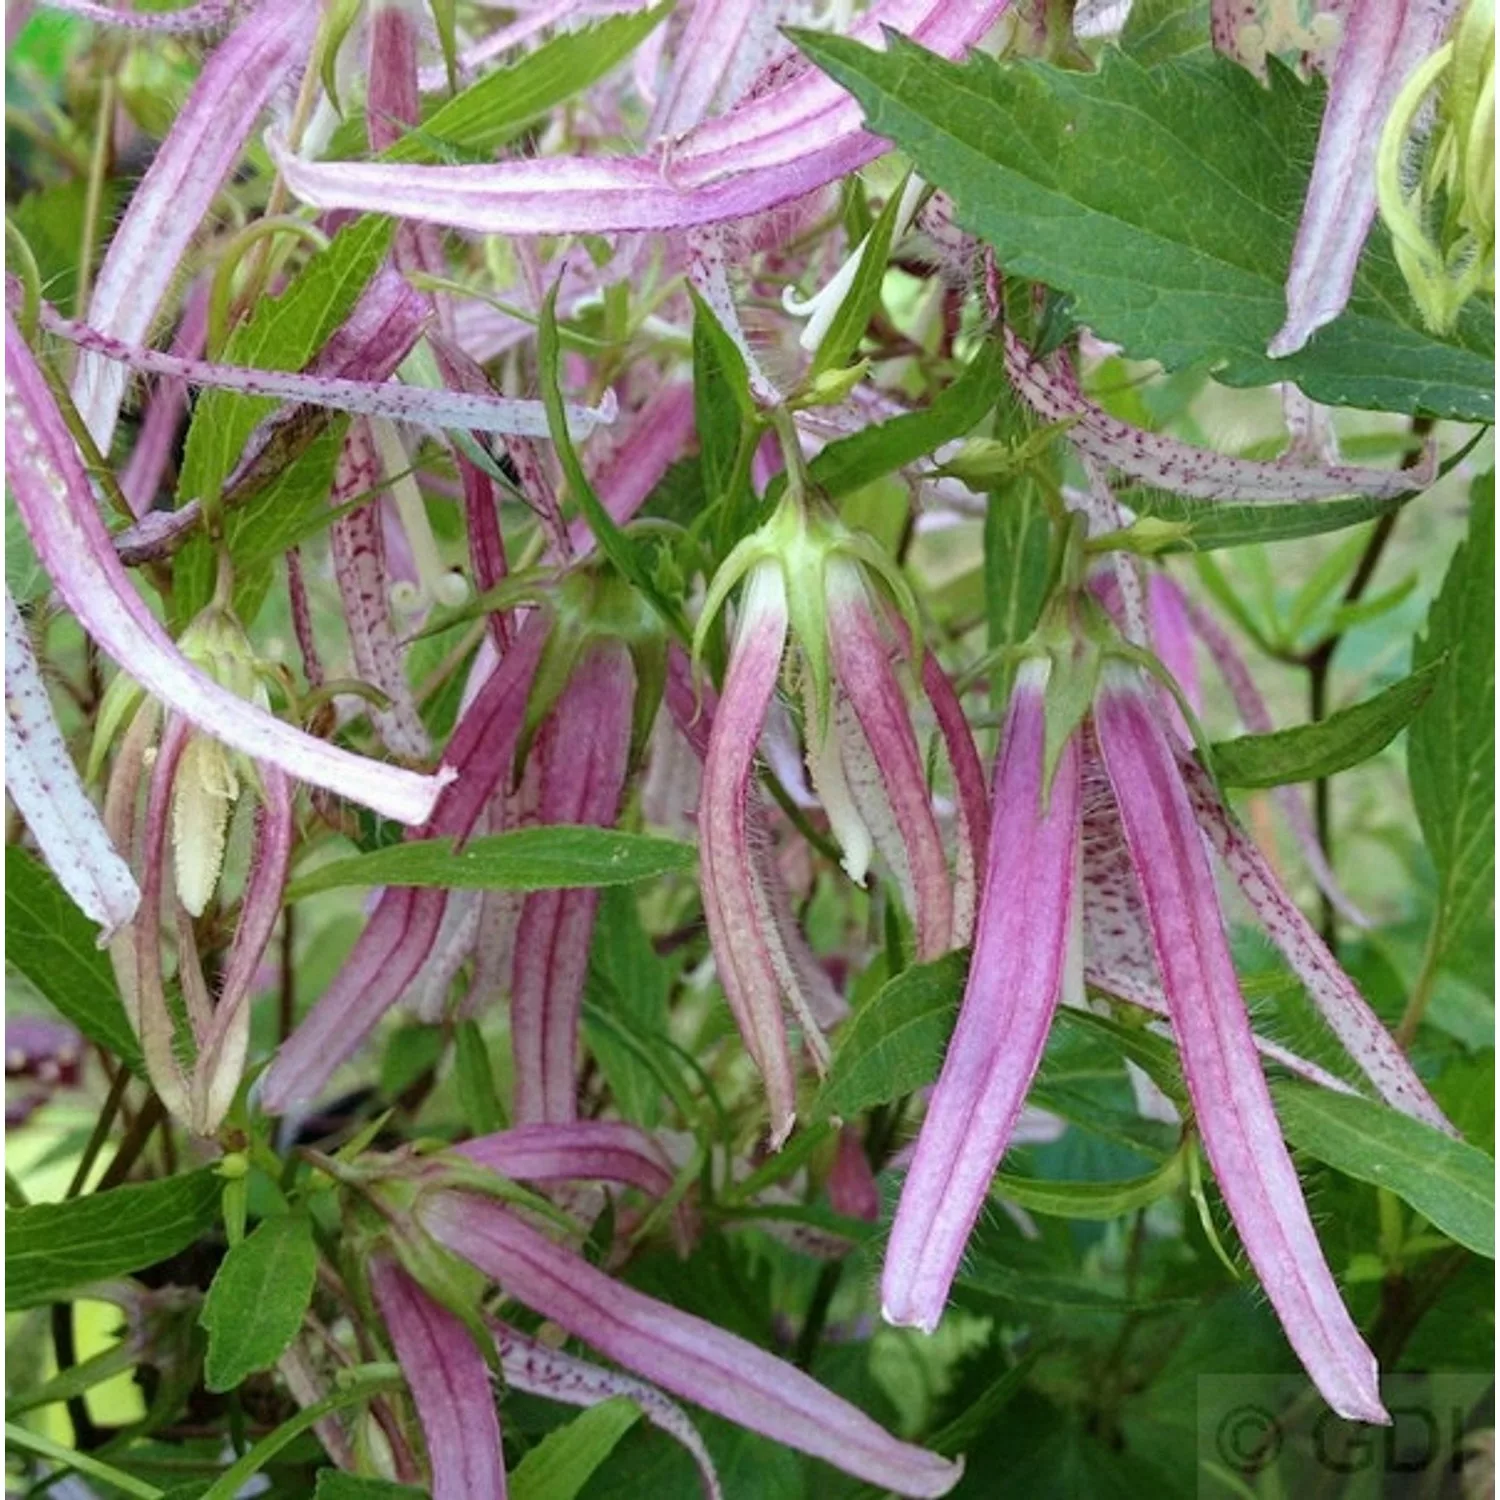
point(874, 452)
point(1312, 751)
point(1157, 30)
point(1088, 1200)
point(334, 1484)
point(51, 1248)
point(1166, 200)
point(1447, 1181)
point(476, 1081)
point(56, 947)
point(895, 1043)
point(525, 859)
point(1450, 752)
point(1017, 566)
point(259, 1294)
point(1212, 525)
point(847, 327)
point(561, 1464)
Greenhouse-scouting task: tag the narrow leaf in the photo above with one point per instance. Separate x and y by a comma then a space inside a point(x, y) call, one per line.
point(562, 1463)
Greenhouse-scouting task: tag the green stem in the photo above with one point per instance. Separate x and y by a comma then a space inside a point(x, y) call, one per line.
point(817, 1315)
point(34, 1442)
point(101, 1133)
point(1421, 991)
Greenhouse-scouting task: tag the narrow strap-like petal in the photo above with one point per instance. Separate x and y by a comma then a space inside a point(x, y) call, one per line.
point(541, 1371)
point(583, 1151)
point(42, 781)
point(681, 1353)
point(1021, 941)
point(1346, 1011)
point(450, 1384)
point(1230, 1098)
point(56, 502)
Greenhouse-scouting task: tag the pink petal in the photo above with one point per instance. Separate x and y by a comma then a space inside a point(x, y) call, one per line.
point(43, 783)
point(450, 1384)
point(204, 145)
point(677, 1351)
point(582, 1151)
point(1200, 473)
point(1382, 46)
point(1230, 1099)
point(1020, 948)
point(207, 15)
point(583, 748)
point(704, 55)
point(56, 502)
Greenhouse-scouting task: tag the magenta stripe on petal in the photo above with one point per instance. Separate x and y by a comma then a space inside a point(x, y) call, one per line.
point(682, 1354)
point(583, 1151)
point(56, 502)
point(450, 1384)
point(205, 142)
point(1015, 980)
point(1230, 1098)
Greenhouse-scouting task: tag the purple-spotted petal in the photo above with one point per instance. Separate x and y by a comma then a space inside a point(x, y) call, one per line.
point(43, 783)
point(1223, 1073)
point(1199, 473)
point(673, 1349)
point(1021, 942)
point(56, 502)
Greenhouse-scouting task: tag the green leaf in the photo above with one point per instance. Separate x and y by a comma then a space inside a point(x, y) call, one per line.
point(56, 947)
point(563, 1462)
point(873, 452)
point(493, 111)
point(1160, 29)
point(1017, 567)
point(847, 327)
point(1448, 1182)
point(1089, 1200)
point(1312, 751)
point(1212, 525)
point(1166, 201)
point(334, 1484)
point(723, 411)
point(259, 1294)
point(476, 1081)
point(282, 333)
point(51, 1248)
point(895, 1043)
point(1450, 752)
point(525, 859)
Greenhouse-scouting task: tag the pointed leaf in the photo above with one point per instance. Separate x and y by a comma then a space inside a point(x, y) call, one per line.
point(562, 1463)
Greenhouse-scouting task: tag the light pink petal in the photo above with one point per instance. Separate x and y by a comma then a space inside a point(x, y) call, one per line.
point(1015, 980)
point(44, 784)
point(207, 15)
point(56, 502)
point(582, 1151)
point(1200, 473)
point(450, 1384)
point(541, 1371)
point(683, 1354)
point(206, 141)
point(1230, 1098)
point(1383, 44)
point(716, 30)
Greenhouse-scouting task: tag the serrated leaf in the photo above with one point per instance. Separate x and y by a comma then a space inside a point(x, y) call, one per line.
point(55, 946)
point(282, 333)
point(1450, 752)
point(259, 1294)
point(563, 1462)
point(873, 452)
point(1448, 1182)
point(51, 1248)
point(525, 859)
point(1212, 525)
point(1312, 751)
point(1166, 201)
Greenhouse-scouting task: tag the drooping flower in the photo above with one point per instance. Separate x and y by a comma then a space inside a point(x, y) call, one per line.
point(1384, 43)
point(802, 575)
point(1099, 870)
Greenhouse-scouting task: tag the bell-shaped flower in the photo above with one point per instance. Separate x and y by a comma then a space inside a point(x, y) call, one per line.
point(806, 576)
point(1099, 870)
